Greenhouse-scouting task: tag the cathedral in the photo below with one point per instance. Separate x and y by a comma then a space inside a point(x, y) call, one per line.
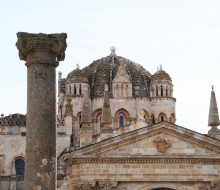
point(116, 130)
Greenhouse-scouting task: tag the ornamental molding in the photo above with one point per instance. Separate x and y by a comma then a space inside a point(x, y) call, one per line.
point(98, 185)
point(28, 43)
point(162, 145)
point(208, 161)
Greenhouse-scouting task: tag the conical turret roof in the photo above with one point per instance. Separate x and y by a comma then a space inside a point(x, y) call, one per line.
point(106, 110)
point(213, 111)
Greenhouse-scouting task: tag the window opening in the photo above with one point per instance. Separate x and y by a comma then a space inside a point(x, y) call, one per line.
point(19, 167)
point(121, 120)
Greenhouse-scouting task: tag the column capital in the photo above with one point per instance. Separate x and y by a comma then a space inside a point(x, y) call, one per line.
point(41, 48)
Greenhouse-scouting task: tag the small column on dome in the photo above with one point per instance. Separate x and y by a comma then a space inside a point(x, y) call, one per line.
point(106, 119)
point(113, 49)
point(86, 130)
point(213, 116)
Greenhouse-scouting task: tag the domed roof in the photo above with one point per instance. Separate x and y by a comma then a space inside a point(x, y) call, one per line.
point(77, 76)
point(160, 75)
point(103, 71)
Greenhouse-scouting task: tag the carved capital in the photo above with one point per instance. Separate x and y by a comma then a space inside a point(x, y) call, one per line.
point(203, 187)
point(85, 185)
point(54, 44)
point(215, 185)
point(98, 185)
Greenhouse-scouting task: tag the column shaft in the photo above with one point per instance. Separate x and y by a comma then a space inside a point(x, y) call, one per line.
point(41, 53)
point(40, 168)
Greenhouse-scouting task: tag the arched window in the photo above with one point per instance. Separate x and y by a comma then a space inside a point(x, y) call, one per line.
point(122, 118)
point(79, 116)
point(172, 118)
point(121, 121)
point(98, 124)
point(153, 119)
point(166, 91)
point(156, 91)
point(126, 91)
point(19, 166)
point(80, 89)
point(74, 89)
point(69, 89)
point(161, 90)
point(117, 91)
point(162, 117)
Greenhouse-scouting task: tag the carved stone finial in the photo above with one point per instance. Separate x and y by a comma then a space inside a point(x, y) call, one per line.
point(160, 68)
point(113, 51)
point(106, 109)
point(106, 87)
point(33, 43)
point(212, 87)
point(60, 75)
point(77, 66)
point(213, 119)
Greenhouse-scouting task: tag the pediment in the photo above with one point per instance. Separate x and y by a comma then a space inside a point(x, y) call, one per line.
point(121, 75)
point(163, 139)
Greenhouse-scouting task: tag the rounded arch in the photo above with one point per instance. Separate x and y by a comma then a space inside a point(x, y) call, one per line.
point(122, 117)
point(165, 186)
point(79, 117)
point(172, 118)
point(147, 117)
point(96, 116)
point(17, 165)
point(96, 112)
point(153, 121)
point(162, 117)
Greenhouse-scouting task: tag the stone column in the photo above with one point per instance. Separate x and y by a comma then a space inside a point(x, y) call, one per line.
point(42, 53)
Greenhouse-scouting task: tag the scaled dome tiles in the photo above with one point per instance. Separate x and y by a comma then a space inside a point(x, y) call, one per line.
point(103, 71)
point(160, 75)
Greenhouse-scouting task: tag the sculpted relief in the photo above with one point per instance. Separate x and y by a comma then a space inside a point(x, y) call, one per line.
point(102, 185)
point(161, 144)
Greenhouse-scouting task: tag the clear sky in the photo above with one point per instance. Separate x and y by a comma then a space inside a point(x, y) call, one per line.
point(181, 35)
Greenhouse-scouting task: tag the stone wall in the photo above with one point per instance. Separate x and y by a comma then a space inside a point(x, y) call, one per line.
point(143, 175)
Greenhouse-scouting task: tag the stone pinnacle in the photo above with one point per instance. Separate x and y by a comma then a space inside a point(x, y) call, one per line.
point(213, 111)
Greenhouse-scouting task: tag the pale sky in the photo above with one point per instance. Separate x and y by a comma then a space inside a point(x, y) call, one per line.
point(181, 35)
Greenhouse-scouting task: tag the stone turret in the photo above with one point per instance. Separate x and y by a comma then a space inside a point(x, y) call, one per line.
point(213, 117)
point(161, 95)
point(106, 120)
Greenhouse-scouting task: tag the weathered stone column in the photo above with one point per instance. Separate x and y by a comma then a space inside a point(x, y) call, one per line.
point(42, 53)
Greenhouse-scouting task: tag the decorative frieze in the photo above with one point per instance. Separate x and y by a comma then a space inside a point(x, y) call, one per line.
point(98, 185)
point(134, 160)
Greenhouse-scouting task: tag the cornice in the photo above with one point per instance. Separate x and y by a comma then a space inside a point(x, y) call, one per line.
point(212, 161)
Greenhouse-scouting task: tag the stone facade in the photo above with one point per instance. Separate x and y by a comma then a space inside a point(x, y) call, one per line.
point(116, 130)
point(131, 88)
point(161, 155)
